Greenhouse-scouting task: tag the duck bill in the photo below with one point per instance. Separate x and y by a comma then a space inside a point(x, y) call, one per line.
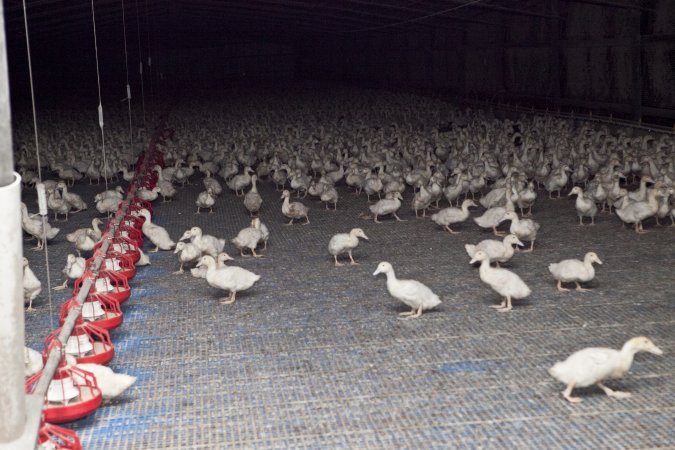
point(199, 264)
point(377, 272)
point(520, 244)
point(176, 251)
point(473, 261)
point(655, 350)
point(598, 261)
point(365, 237)
point(186, 235)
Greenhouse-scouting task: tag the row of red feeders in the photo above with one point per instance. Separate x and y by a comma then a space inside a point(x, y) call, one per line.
point(72, 393)
point(58, 438)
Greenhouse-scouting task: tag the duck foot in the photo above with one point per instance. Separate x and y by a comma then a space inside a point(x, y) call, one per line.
point(450, 231)
point(614, 394)
point(228, 300)
point(338, 264)
point(154, 250)
point(580, 289)
point(560, 288)
point(60, 287)
point(178, 272)
point(567, 394)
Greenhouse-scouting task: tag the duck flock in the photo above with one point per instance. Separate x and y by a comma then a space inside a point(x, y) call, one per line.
point(392, 151)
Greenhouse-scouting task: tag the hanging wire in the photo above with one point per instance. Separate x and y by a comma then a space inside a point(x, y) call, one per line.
point(415, 19)
point(151, 81)
point(140, 59)
point(100, 106)
point(37, 155)
point(126, 64)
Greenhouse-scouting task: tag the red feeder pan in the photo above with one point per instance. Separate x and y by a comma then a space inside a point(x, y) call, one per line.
point(88, 343)
point(98, 309)
point(57, 438)
point(107, 282)
point(132, 221)
point(72, 393)
point(121, 245)
point(130, 233)
point(115, 262)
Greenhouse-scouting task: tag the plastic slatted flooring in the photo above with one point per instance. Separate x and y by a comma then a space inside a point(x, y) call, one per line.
point(315, 357)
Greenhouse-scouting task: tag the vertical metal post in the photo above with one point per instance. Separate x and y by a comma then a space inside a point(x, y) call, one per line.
point(555, 54)
point(12, 395)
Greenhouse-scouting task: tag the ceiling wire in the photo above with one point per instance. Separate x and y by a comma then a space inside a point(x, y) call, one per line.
point(415, 19)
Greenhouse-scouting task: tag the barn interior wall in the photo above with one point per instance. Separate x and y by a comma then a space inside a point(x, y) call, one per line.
point(574, 55)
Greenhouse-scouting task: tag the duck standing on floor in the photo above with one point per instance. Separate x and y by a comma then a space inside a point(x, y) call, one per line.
point(293, 210)
point(585, 206)
point(525, 229)
point(594, 365)
point(411, 292)
point(249, 238)
point(498, 251)
point(388, 205)
point(95, 224)
point(448, 216)
point(33, 226)
point(205, 199)
point(504, 282)
point(252, 199)
point(74, 269)
point(188, 252)
point(345, 242)
point(206, 243)
point(231, 278)
point(31, 285)
point(574, 271)
point(157, 235)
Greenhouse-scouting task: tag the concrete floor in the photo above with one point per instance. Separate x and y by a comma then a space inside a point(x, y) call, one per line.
point(315, 356)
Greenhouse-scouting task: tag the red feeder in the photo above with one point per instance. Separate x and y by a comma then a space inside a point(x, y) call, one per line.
point(57, 438)
point(72, 393)
point(138, 204)
point(88, 343)
point(106, 282)
point(130, 233)
point(121, 245)
point(115, 262)
point(132, 221)
point(98, 309)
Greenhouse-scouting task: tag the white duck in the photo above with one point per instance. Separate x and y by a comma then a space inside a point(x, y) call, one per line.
point(574, 271)
point(205, 199)
point(188, 252)
point(74, 200)
point(74, 269)
point(33, 226)
point(388, 205)
point(525, 229)
point(31, 285)
point(32, 360)
point(451, 215)
point(157, 235)
point(345, 242)
point(112, 384)
point(294, 210)
point(585, 206)
point(231, 278)
point(411, 292)
point(206, 243)
point(252, 199)
point(636, 212)
point(504, 282)
point(95, 224)
point(143, 260)
point(591, 366)
point(248, 237)
point(85, 242)
point(498, 251)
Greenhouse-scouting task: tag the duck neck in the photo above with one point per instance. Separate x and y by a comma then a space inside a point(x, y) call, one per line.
point(627, 353)
point(485, 266)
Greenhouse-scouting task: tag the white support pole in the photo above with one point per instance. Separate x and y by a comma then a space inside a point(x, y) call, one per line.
point(12, 390)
